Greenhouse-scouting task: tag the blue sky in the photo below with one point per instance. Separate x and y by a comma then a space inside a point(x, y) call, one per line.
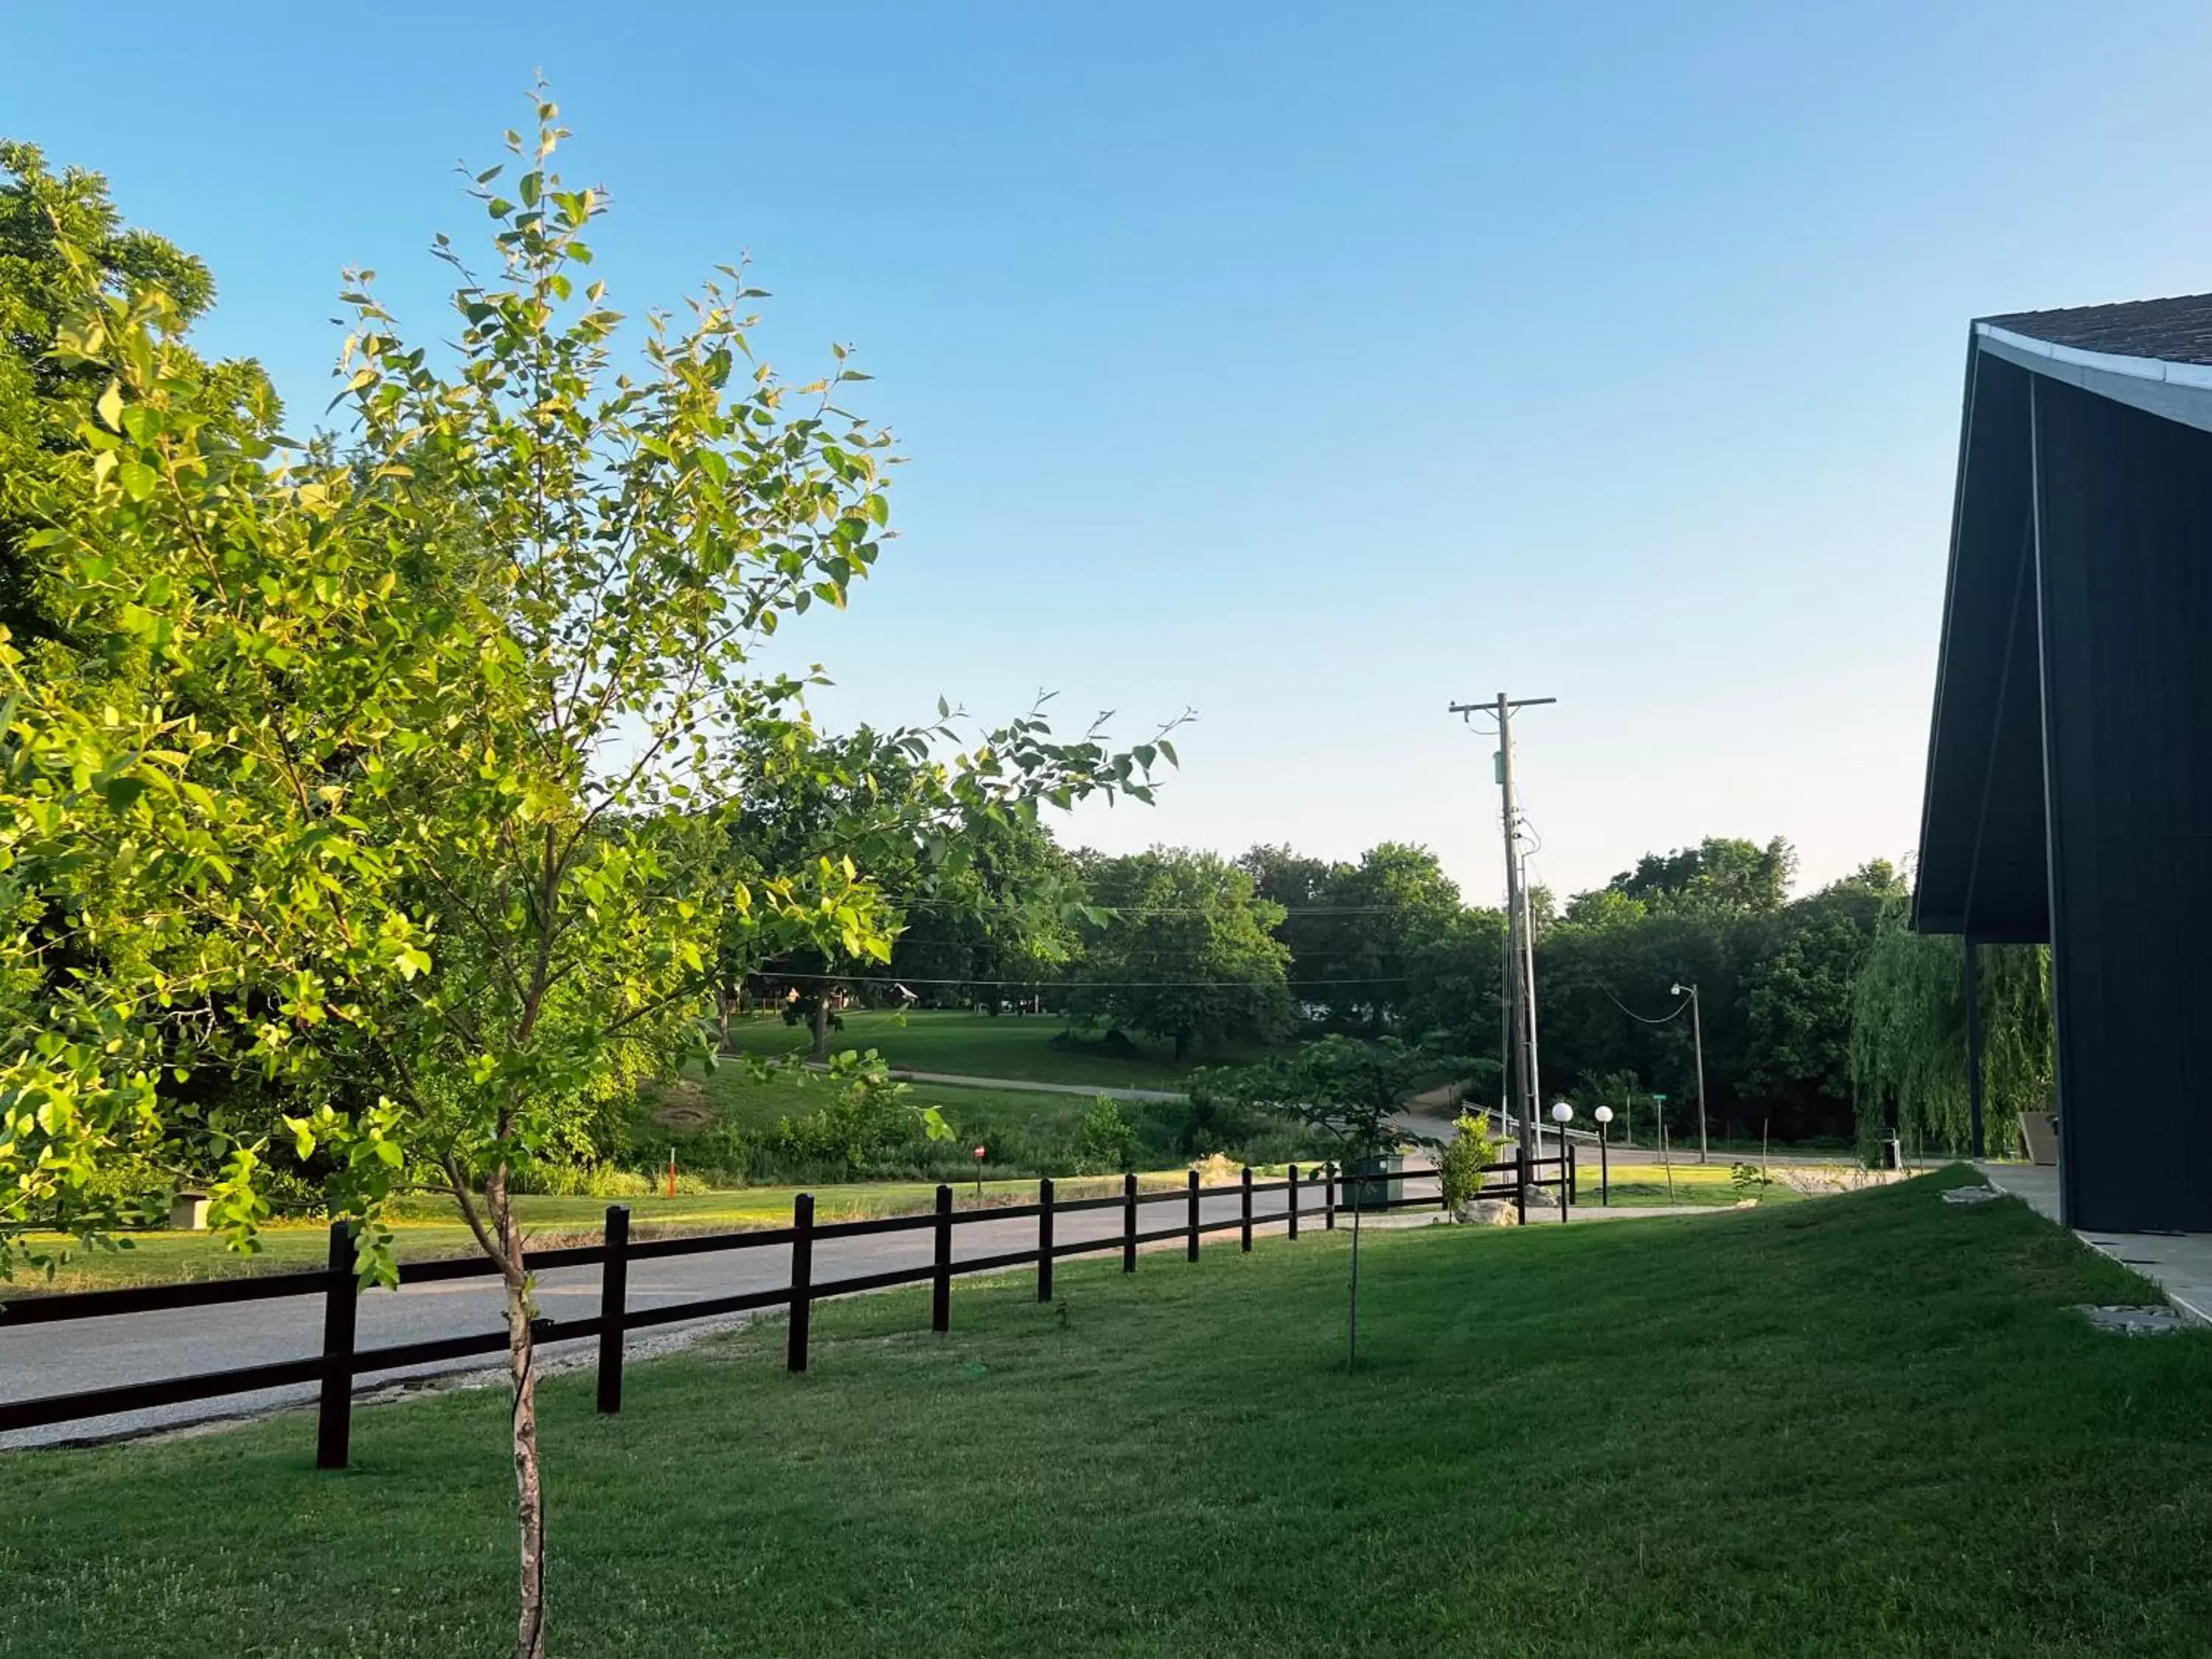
point(1313, 367)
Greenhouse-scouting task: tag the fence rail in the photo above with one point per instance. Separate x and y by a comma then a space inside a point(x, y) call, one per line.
point(341, 1361)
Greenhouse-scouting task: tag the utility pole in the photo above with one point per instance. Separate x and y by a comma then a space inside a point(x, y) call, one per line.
point(1697, 1035)
point(1519, 986)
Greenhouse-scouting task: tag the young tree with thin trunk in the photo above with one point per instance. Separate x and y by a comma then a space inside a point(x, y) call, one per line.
point(1350, 1095)
point(422, 796)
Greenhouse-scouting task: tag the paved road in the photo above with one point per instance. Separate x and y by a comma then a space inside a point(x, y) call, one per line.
point(38, 1360)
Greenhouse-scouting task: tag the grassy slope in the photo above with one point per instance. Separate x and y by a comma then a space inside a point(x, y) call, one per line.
point(978, 1045)
point(738, 1099)
point(1865, 1425)
point(1639, 1185)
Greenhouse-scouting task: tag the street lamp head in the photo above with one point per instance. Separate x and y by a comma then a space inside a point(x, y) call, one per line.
point(1603, 1114)
point(1673, 990)
point(1563, 1113)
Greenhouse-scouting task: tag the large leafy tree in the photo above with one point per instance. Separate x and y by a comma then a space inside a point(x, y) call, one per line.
point(418, 793)
point(62, 243)
point(1908, 1054)
point(1774, 980)
point(996, 911)
point(976, 893)
point(1720, 876)
point(1285, 877)
point(1454, 965)
point(1379, 913)
point(1181, 949)
point(1798, 1012)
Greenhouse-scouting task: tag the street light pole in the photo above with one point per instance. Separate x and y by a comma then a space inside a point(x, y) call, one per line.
point(1697, 1035)
point(1563, 1115)
point(1604, 1116)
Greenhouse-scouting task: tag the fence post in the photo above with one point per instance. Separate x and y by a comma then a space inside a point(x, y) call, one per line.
point(1247, 1199)
point(1129, 1222)
point(1520, 1186)
point(940, 1289)
point(341, 1293)
point(802, 1279)
point(1574, 1169)
point(1328, 1196)
point(1044, 1239)
point(1294, 1200)
point(614, 1306)
point(1190, 1250)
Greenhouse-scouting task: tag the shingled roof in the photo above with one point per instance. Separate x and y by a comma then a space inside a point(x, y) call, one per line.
point(2176, 331)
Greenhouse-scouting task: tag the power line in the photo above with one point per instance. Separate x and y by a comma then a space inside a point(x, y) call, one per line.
point(1632, 1014)
point(1178, 910)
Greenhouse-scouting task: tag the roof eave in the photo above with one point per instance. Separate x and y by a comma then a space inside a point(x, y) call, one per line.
point(2171, 391)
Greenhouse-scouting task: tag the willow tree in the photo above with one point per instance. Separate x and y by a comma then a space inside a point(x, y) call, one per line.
point(419, 793)
point(1908, 1039)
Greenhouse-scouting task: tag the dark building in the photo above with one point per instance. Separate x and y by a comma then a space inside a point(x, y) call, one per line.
point(2069, 769)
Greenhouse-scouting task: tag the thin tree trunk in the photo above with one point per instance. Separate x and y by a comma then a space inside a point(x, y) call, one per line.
point(1352, 1352)
point(529, 1484)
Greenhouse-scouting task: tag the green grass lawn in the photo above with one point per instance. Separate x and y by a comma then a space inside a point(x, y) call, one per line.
point(980, 1045)
point(1861, 1425)
point(1641, 1185)
point(737, 1099)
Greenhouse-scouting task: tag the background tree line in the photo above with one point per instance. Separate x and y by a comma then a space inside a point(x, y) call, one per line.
point(1215, 958)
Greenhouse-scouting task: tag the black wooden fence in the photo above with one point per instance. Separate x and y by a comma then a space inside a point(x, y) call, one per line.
point(340, 1362)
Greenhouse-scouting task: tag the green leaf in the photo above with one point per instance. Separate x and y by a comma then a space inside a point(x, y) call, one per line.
point(110, 406)
point(137, 479)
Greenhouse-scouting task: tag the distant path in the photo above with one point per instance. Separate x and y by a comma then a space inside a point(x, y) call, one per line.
point(904, 1075)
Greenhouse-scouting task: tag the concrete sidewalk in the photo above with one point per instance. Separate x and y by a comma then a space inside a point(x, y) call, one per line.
point(2179, 1264)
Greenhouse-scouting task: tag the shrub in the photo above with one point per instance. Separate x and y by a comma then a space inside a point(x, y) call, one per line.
point(1459, 1166)
point(591, 1180)
point(1217, 1169)
point(1105, 1141)
point(1212, 1115)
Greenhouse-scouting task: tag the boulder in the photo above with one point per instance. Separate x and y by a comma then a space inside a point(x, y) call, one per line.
point(1487, 1212)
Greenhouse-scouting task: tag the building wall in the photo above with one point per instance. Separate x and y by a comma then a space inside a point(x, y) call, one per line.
point(2124, 569)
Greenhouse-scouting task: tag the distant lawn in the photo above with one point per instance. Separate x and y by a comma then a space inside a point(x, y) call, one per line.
point(1865, 1425)
point(1015, 1046)
point(736, 1098)
point(1641, 1184)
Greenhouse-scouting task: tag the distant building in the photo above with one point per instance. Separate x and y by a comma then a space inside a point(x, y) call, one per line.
point(2069, 768)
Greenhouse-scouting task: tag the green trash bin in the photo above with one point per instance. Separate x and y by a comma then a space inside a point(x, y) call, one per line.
point(1374, 1183)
